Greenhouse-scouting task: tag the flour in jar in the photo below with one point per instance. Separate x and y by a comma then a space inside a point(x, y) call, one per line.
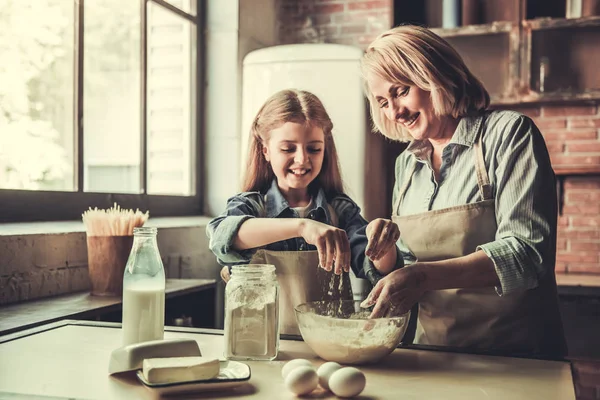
point(251, 324)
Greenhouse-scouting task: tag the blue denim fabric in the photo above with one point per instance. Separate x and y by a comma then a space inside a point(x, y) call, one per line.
point(222, 229)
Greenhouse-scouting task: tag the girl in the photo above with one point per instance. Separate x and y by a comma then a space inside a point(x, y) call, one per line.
point(293, 212)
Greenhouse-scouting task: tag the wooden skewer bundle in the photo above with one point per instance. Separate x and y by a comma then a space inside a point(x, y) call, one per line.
point(113, 222)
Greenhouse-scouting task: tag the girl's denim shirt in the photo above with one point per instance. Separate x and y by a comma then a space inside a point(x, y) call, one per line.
point(223, 229)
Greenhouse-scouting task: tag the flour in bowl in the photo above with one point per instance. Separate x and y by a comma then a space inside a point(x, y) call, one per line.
point(350, 341)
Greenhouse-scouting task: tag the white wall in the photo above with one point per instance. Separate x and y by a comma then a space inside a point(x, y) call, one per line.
point(229, 39)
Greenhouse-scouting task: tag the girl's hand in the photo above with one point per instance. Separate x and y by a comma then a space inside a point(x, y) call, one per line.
point(382, 235)
point(396, 293)
point(332, 244)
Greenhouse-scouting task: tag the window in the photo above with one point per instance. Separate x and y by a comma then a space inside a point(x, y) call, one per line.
point(99, 102)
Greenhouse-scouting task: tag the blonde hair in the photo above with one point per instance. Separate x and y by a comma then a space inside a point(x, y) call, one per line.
point(291, 106)
point(413, 55)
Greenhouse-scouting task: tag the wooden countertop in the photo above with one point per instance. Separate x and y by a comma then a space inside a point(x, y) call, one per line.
point(578, 284)
point(70, 359)
point(589, 280)
point(14, 317)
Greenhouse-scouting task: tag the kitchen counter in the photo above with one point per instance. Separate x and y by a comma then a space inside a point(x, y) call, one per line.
point(83, 305)
point(578, 284)
point(70, 359)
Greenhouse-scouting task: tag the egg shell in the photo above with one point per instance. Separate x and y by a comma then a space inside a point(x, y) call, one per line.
point(290, 365)
point(302, 380)
point(324, 372)
point(347, 382)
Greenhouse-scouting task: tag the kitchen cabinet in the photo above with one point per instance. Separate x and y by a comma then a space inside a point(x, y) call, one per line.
point(492, 53)
point(560, 59)
point(69, 359)
point(524, 51)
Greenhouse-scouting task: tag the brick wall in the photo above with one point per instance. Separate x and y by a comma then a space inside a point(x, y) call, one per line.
point(572, 135)
point(572, 132)
point(353, 22)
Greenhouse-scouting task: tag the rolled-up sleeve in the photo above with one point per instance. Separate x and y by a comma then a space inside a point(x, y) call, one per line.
point(526, 209)
point(223, 229)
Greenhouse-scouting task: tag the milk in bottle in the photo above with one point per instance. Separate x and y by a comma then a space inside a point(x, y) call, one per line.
point(143, 290)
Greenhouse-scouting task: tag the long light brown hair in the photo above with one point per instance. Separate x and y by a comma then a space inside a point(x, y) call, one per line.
point(413, 55)
point(291, 106)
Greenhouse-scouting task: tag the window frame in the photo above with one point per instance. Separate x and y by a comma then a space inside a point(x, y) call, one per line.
point(34, 205)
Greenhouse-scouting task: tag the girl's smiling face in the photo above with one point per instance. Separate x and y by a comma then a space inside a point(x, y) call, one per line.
point(295, 152)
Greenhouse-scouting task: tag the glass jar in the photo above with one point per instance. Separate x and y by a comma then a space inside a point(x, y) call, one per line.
point(143, 290)
point(252, 313)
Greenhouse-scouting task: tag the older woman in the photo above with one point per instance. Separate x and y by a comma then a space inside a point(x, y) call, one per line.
point(474, 202)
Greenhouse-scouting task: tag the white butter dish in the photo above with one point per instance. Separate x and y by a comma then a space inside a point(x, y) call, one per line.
point(231, 374)
point(131, 357)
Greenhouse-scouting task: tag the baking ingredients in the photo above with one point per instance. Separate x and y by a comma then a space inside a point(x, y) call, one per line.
point(251, 313)
point(143, 290)
point(324, 372)
point(131, 357)
point(302, 380)
point(347, 382)
point(350, 344)
point(293, 364)
point(336, 332)
point(143, 310)
point(179, 369)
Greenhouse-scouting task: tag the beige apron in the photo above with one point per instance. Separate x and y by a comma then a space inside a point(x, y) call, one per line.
point(301, 280)
point(527, 322)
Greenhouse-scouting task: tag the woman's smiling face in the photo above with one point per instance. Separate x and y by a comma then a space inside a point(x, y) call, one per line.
point(410, 106)
point(296, 154)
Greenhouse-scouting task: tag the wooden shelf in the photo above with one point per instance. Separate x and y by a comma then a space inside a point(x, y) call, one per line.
point(514, 41)
point(581, 170)
point(558, 97)
point(476, 30)
point(555, 23)
point(578, 280)
point(491, 52)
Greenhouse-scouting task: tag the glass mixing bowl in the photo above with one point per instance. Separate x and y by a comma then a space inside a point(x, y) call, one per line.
point(341, 331)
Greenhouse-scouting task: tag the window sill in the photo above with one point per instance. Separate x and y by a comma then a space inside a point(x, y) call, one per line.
point(64, 227)
point(44, 259)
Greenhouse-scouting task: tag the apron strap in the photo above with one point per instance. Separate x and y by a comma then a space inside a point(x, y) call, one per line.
point(483, 181)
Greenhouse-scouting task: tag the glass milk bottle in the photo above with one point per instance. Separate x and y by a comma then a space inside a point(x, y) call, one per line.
point(252, 313)
point(143, 290)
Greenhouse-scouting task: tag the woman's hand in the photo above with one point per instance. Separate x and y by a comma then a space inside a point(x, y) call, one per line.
point(225, 275)
point(396, 293)
point(382, 235)
point(332, 244)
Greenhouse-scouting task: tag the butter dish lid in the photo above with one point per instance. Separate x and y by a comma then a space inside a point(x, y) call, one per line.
point(231, 374)
point(131, 357)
